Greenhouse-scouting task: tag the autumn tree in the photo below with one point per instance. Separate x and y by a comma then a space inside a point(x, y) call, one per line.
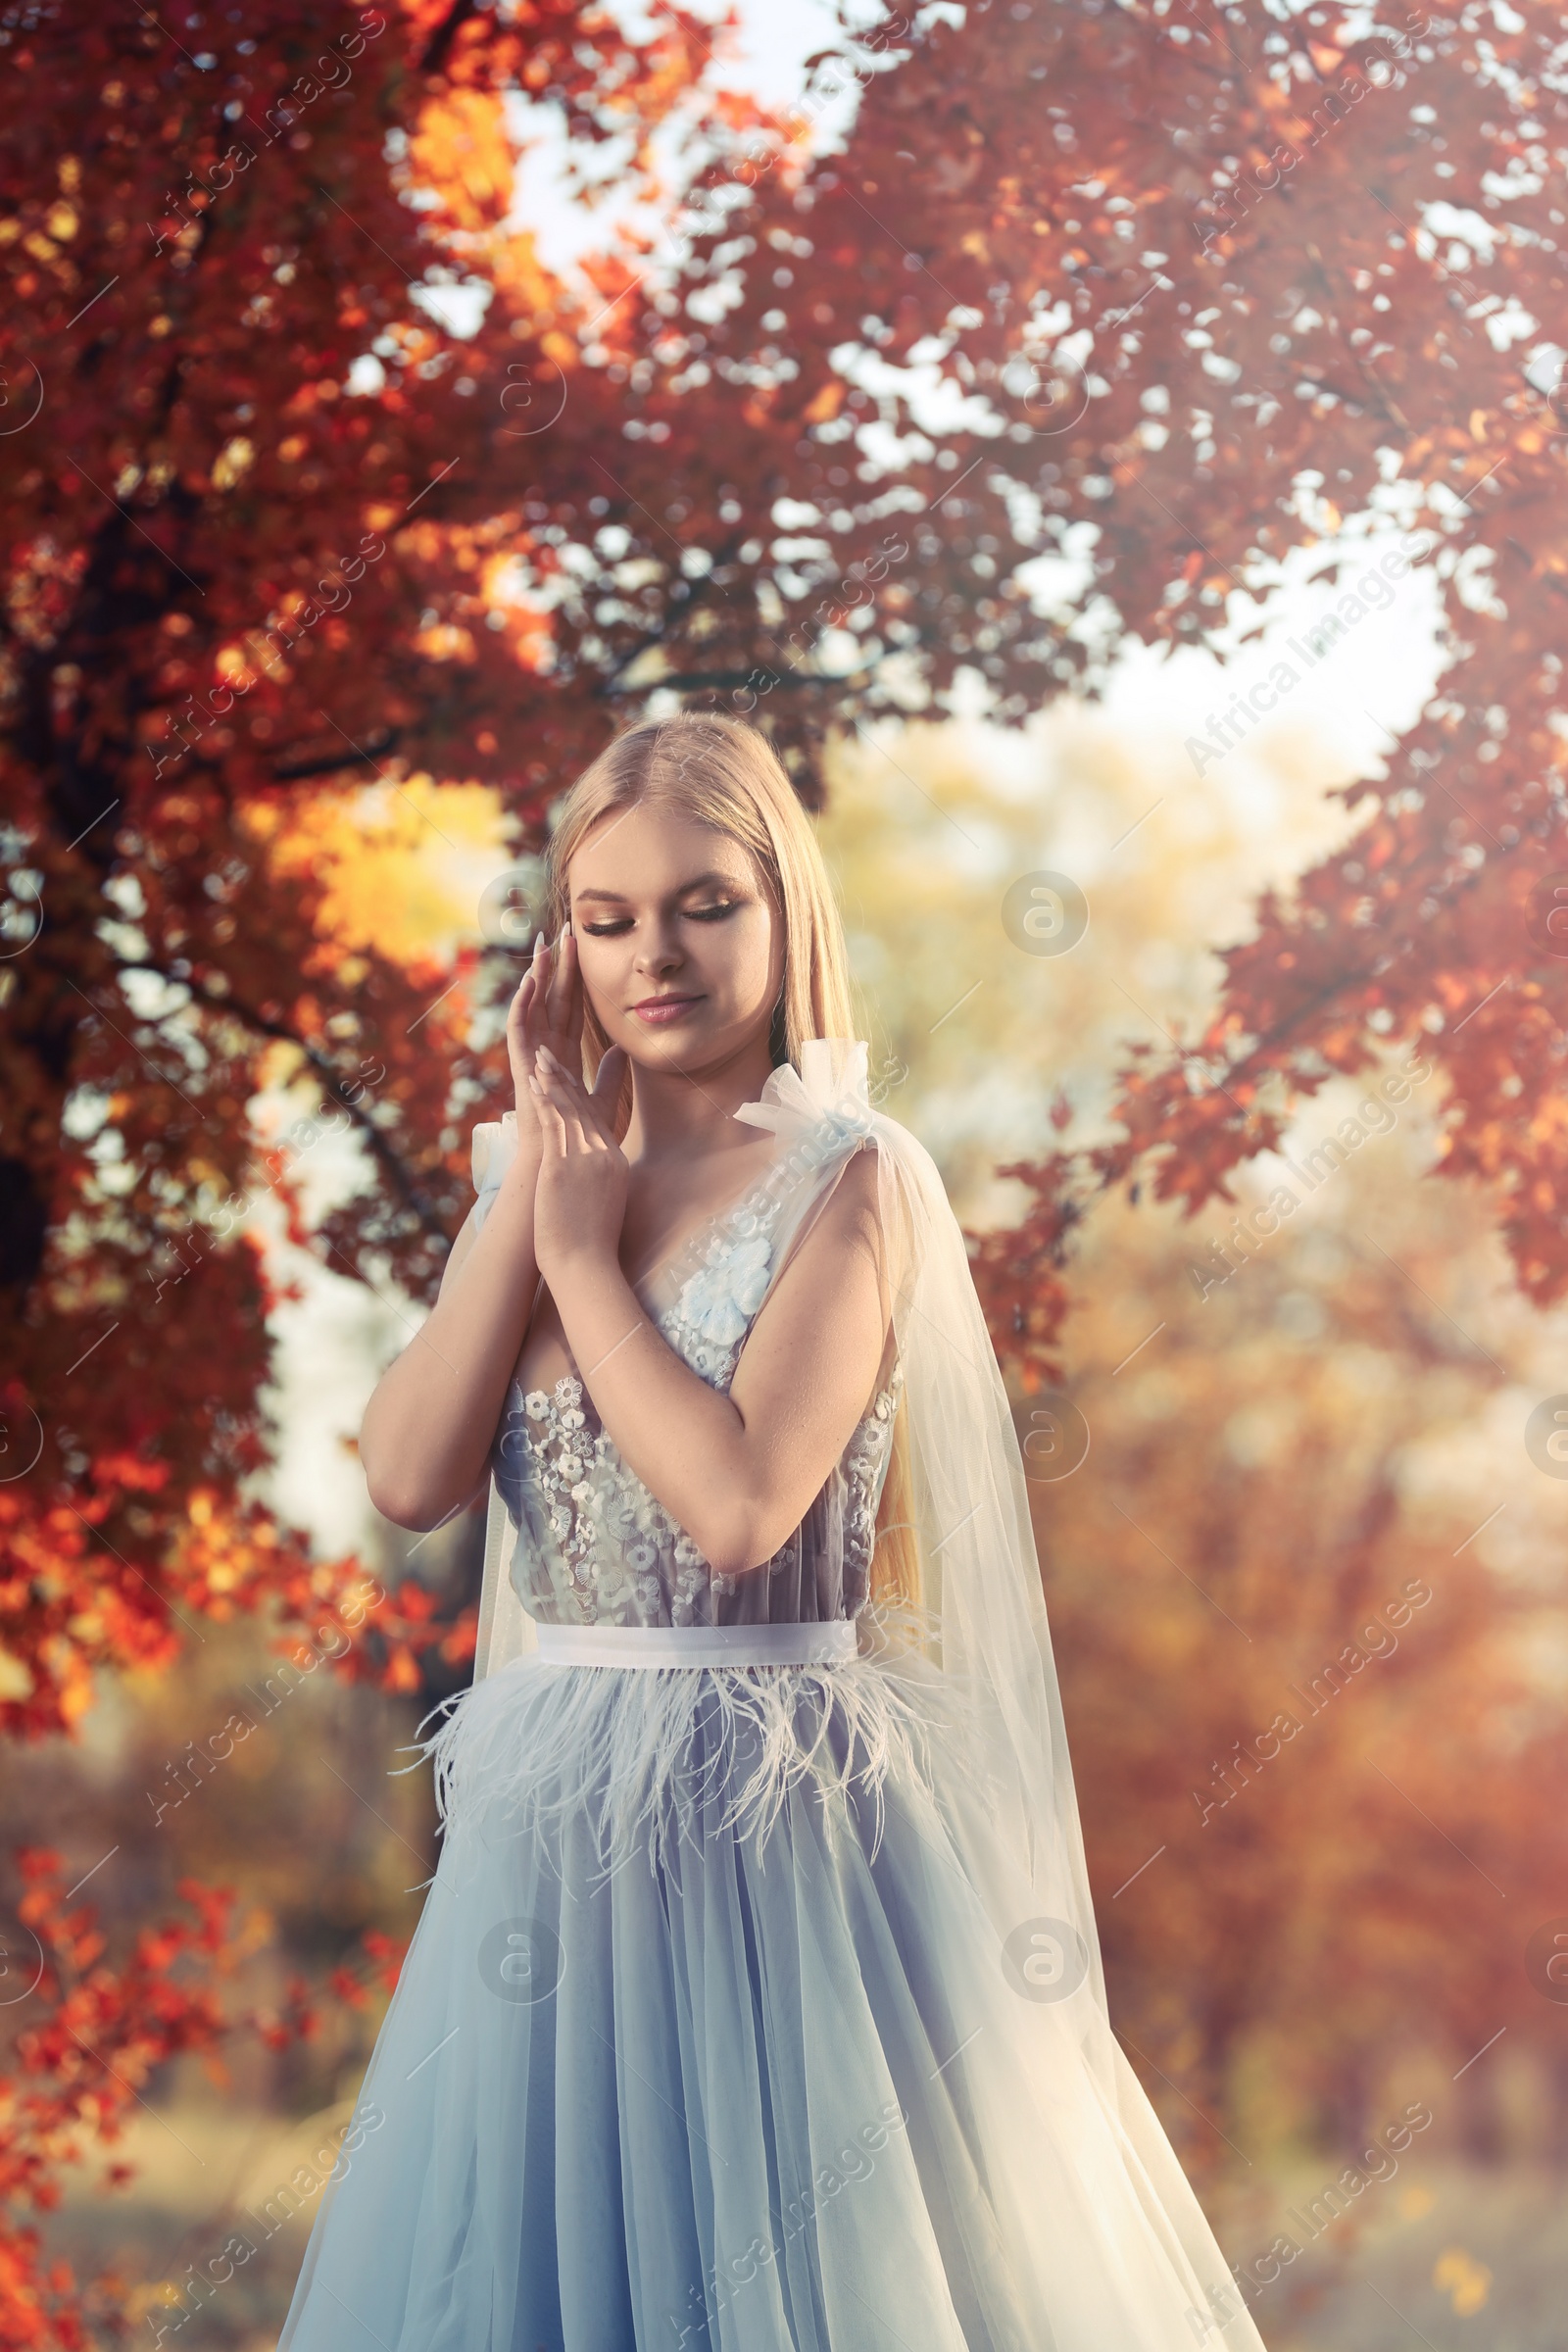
point(1320, 1813)
point(315, 473)
point(276, 527)
point(223, 561)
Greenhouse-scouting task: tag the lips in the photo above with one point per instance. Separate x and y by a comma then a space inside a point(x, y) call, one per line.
point(660, 1011)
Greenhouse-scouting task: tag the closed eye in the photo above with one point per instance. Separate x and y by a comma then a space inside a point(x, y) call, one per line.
point(612, 926)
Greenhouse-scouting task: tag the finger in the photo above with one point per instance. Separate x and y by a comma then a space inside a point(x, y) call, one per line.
point(563, 967)
point(517, 1009)
point(570, 1091)
point(539, 1000)
point(540, 967)
point(608, 1079)
point(569, 1105)
point(533, 1022)
point(563, 1090)
point(556, 1068)
point(551, 1125)
point(576, 1001)
point(520, 1050)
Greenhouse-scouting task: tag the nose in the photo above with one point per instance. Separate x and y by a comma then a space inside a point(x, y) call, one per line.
point(660, 950)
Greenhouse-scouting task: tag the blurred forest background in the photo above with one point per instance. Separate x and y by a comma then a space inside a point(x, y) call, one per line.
point(985, 401)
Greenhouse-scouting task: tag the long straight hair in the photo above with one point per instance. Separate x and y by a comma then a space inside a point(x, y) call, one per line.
point(728, 775)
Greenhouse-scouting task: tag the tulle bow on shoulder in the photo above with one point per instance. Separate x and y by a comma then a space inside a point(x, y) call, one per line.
point(826, 1101)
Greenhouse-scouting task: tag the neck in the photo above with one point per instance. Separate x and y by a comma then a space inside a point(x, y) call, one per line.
point(681, 1113)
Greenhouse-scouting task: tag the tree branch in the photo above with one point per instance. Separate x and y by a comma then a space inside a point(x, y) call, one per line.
point(445, 34)
point(392, 1164)
point(327, 764)
point(763, 680)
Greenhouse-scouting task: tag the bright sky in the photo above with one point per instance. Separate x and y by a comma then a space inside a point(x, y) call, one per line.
point(766, 56)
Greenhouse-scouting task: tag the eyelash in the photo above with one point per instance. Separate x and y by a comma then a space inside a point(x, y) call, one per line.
point(696, 915)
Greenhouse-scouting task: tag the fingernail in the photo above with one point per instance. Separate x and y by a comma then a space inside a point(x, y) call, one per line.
point(545, 1056)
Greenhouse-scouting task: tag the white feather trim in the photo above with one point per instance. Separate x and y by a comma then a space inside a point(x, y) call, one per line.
point(677, 1753)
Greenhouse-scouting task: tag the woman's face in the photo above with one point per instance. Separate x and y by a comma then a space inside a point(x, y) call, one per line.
point(681, 951)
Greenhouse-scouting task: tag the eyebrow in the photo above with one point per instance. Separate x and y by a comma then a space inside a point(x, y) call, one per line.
point(697, 882)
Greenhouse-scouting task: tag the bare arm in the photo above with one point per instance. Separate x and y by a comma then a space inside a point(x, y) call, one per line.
point(738, 1472)
point(429, 1426)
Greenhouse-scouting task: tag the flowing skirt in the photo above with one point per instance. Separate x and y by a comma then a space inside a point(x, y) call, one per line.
point(728, 2027)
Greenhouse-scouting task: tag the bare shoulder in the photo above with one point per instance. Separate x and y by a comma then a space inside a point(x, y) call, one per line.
point(848, 1215)
point(842, 1231)
point(830, 1299)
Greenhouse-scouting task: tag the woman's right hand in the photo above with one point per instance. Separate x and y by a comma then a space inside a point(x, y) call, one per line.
point(546, 1010)
point(429, 1427)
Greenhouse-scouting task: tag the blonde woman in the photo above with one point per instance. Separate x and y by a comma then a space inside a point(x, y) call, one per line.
point(756, 2001)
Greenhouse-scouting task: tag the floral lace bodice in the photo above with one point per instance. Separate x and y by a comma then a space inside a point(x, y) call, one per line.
point(594, 1547)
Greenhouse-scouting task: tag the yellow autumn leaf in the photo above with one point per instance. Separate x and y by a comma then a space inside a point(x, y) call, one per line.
point(1462, 2280)
point(400, 866)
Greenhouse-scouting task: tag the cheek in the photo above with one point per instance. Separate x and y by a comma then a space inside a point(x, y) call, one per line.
point(602, 970)
point(750, 959)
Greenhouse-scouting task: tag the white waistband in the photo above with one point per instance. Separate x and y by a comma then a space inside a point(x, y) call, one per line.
point(697, 1645)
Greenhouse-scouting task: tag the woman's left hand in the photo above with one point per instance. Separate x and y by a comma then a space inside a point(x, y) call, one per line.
point(581, 1197)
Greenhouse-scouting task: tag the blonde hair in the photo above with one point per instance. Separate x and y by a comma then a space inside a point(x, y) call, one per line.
point(728, 775)
point(724, 774)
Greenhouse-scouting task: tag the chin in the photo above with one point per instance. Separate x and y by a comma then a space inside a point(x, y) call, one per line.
point(688, 1045)
point(682, 1042)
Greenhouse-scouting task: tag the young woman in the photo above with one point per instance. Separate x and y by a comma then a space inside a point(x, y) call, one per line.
point(756, 2003)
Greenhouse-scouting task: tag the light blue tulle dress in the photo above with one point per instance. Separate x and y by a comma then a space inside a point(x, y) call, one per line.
point(756, 2005)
